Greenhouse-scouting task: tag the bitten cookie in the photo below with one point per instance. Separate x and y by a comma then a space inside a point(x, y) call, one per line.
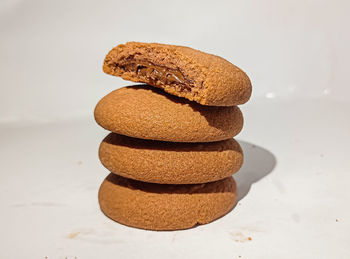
point(150, 113)
point(165, 207)
point(170, 162)
point(182, 71)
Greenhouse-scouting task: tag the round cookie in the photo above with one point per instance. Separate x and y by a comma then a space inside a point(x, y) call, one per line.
point(150, 113)
point(170, 162)
point(165, 207)
point(182, 71)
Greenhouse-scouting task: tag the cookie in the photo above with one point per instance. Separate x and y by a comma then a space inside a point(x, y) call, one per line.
point(182, 71)
point(165, 207)
point(150, 113)
point(170, 162)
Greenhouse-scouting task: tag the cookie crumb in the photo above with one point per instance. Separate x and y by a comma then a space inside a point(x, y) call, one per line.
point(73, 235)
point(249, 238)
point(336, 220)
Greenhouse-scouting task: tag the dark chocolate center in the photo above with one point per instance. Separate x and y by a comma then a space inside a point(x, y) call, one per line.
point(154, 73)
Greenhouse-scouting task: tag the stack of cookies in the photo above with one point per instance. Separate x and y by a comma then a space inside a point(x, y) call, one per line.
point(171, 149)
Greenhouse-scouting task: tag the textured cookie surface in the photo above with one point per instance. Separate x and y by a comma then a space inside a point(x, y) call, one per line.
point(165, 207)
point(150, 113)
point(170, 162)
point(182, 71)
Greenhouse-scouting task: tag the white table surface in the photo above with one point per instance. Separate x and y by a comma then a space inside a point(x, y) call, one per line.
point(294, 186)
point(293, 191)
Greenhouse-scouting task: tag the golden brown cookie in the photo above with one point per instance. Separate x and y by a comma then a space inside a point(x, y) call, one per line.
point(165, 207)
point(170, 162)
point(182, 71)
point(149, 113)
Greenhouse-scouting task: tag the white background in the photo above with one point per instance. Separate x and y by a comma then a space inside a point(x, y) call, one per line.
point(294, 198)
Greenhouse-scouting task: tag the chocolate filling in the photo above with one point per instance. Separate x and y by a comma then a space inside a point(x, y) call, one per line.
point(158, 73)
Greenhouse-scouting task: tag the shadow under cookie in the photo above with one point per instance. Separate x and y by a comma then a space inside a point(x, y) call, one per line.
point(170, 162)
point(165, 207)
